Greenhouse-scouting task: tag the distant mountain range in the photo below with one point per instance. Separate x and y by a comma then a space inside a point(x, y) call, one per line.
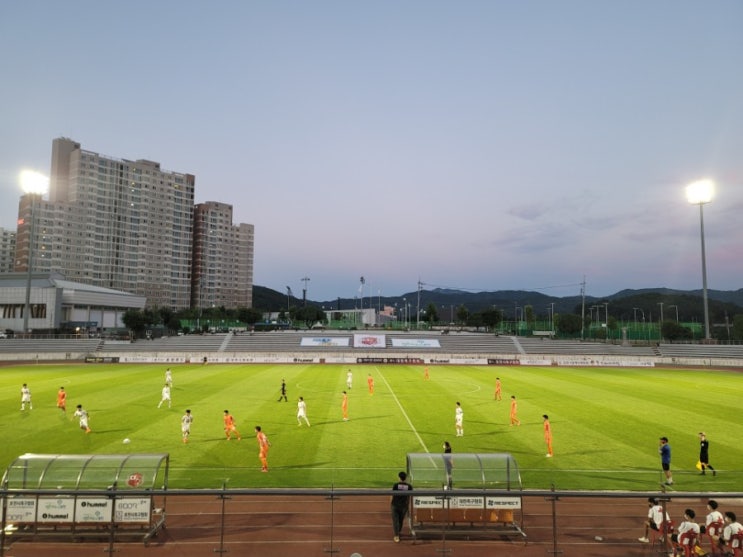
point(625, 304)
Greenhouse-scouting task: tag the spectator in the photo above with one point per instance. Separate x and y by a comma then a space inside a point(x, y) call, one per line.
point(399, 505)
point(655, 519)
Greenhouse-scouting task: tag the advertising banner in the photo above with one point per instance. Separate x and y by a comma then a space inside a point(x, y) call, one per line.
point(368, 341)
point(55, 509)
point(325, 341)
point(133, 510)
point(93, 509)
point(20, 510)
point(415, 343)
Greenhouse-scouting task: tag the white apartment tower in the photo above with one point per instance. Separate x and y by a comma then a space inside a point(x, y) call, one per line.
point(114, 223)
point(7, 250)
point(222, 269)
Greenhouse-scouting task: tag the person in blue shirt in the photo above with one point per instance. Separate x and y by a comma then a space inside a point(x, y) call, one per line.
point(665, 459)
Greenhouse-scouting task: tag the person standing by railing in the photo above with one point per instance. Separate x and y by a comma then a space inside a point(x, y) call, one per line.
point(399, 505)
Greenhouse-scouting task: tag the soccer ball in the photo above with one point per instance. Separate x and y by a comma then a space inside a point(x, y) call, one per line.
point(127, 441)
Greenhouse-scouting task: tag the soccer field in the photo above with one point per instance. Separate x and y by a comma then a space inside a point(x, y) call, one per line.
point(606, 421)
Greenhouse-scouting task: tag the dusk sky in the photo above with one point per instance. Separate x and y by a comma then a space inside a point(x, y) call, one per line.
point(478, 145)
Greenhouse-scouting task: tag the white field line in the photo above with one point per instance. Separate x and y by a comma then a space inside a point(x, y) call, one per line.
point(405, 414)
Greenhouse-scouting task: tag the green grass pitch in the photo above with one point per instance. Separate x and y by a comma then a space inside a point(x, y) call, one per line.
point(606, 421)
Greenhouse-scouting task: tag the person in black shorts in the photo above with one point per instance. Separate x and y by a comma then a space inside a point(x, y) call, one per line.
point(399, 505)
point(704, 454)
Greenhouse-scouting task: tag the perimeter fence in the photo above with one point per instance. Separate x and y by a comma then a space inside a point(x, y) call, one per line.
point(348, 522)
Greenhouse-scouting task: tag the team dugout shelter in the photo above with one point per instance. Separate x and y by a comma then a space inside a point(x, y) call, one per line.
point(480, 495)
point(85, 495)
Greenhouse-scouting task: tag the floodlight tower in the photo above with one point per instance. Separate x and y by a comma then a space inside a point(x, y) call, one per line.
point(305, 280)
point(701, 193)
point(33, 184)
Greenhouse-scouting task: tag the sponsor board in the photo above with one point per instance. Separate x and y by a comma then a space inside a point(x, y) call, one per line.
point(55, 509)
point(93, 509)
point(133, 510)
point(466, 502)
point(416, 361)
point(20, 510)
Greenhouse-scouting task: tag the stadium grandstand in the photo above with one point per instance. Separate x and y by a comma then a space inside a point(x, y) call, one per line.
point(372, 346)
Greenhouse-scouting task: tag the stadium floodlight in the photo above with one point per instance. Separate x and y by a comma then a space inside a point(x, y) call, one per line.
point(34, 184)
point(700, 193)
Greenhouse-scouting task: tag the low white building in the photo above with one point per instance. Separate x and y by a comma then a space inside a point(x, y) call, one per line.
point(61, 305)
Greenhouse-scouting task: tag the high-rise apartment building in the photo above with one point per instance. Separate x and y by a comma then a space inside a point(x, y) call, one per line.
point(116, 223)
point(7, 250)
point(222, 267)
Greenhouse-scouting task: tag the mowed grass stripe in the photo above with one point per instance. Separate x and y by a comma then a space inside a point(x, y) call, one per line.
point(606, 421)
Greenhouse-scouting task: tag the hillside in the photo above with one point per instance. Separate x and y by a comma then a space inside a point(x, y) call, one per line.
point(625, 304)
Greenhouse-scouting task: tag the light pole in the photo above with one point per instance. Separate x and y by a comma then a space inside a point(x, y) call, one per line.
point(677, 311)
point(33, 184)
point(606, 324)
point(700, 193)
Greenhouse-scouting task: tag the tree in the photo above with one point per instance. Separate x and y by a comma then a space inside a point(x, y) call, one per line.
point(670, 330)
point(475, 320)
point(492, 318)
point(432, 315)
point(738, 327)
point(462, 314)
point(135, 320)
point(309, 315)
point(529, 316)
point(249, 316)
point(568, 323)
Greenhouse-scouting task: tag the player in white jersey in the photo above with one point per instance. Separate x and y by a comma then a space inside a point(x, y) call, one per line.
point(459, 420)
point(26, 397)
point(186, 421)
point(83, 415)
point(302, 412)
point(165, 396)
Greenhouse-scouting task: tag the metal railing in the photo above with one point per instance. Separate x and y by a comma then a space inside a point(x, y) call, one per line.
point(344, 521)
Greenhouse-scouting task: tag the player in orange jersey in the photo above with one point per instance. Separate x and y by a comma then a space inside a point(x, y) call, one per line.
point(426, 376)
point(497, 395)
point(514, 412)
point(62, 400)
point(547, 434)
point(263, 445)
point(344, 406)
point(229, 426)
point(370, 382)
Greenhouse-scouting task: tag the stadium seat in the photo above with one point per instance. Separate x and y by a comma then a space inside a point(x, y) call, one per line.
point(657, 536)
point(714, 531)
point(686, 544)
point(736, 544)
